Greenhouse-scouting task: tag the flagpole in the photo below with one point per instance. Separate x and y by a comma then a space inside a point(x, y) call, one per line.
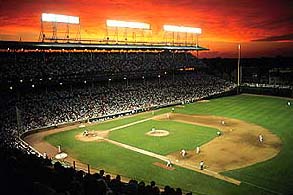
point(238, 68)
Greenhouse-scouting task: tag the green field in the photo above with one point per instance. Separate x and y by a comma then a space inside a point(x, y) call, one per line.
point(271, 177)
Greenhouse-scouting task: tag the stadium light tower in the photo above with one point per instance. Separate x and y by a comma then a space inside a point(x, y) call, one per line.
point(183, 29)
point(126, 25)
point(54, 19)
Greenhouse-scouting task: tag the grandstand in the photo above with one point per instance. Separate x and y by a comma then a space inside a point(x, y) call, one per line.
point(47, 85)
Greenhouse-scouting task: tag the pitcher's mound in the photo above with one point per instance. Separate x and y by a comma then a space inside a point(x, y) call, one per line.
point(158, 133)
point(92, 136)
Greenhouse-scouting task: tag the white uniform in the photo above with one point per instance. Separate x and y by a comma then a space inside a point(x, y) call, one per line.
point(201, 165)
point(85, 133)
point(45, 155)
point(260, 137)
point(197, 150)
point(169, 163)
point(183, 152)
point(223, 122)
point(59, 149)
point(153, 129)
point(289, 103)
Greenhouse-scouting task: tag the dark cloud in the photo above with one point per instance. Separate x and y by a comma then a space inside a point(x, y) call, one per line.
point(287, 37)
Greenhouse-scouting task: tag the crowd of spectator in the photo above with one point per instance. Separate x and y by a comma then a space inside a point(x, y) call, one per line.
point(28, 174)
point(69, 104)
point(25, 66)
point(49, 106)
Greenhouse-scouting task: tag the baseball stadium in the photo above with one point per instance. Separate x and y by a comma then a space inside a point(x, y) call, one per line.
point(128, 116)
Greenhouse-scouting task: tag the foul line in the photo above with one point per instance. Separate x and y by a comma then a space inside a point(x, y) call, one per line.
point(163, 158)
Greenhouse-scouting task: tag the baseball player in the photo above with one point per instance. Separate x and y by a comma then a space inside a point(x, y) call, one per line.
point(201, 165)
point(169, 164)
point(223, 122)
point(183, 152)
point(289, 103)
point(85, 133)
point(260, 138)
point(59, 149)
point(197, 150)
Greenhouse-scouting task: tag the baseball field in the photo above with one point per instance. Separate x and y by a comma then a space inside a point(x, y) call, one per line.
point(236, 162)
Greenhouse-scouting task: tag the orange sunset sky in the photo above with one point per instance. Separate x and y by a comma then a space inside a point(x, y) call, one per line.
point(264, 27)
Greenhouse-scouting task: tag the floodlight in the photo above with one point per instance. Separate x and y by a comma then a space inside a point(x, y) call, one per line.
point(185, 29)
point(124, 24)
point(60, 18)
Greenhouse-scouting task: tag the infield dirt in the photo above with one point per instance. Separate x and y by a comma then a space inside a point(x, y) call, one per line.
point(238, 145)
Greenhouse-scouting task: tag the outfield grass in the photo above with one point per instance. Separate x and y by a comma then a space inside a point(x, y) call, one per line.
point(271, 113)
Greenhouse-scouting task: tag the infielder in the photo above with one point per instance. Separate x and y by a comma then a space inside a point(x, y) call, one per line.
point(183, 152)
point(201, 165)
point(260, 138)
point(197, 150)
point(169, 164)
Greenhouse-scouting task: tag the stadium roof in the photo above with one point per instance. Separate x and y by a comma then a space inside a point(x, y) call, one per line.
point(100, 46)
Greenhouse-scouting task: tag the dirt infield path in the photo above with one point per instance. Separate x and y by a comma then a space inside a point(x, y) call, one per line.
point(237, 147)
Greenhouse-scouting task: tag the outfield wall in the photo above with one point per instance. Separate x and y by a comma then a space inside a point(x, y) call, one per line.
point(271, 91)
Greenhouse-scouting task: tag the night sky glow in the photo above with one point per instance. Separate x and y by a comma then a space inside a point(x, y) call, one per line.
point(264, 28)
